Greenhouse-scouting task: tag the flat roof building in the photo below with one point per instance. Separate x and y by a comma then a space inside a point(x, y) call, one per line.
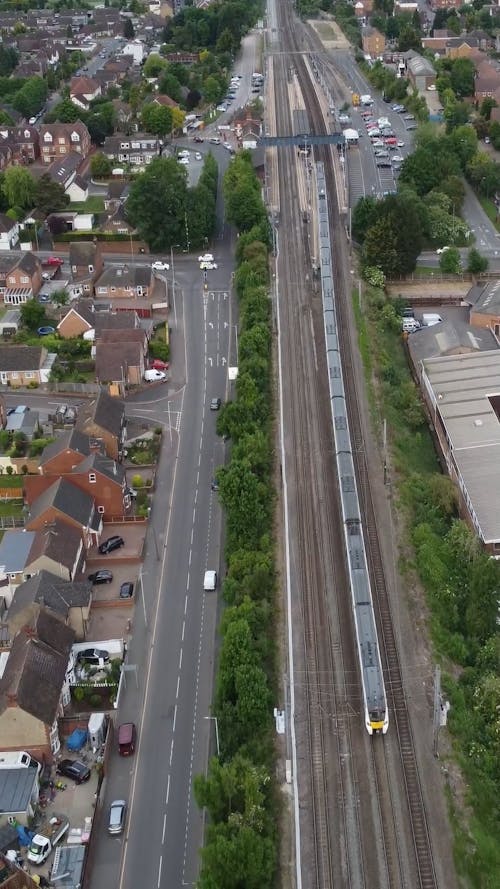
point(463, 395)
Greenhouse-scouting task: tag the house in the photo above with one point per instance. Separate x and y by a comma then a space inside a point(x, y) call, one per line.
point(71, 221)
point(62, 455)
point(125, 282)
point(487, 82)
point(78, 189)
point(79, 319)
point(28, 423)
point(68, 600)
point(103, 419)
point(117, 194)
point(119, 335)
point(64, 501)
point(63, 169)
point(119, 364)
point(116, 222)
point(86, 263)
point(138, 149)
point(23, 142)
point(445, 4)
point(165, 102)
point(83, 90)
point(33, 687)
point(60, 139)
point(15, 548)
point(57, 548)
point(373, 42)
point(22, 365)
point(185, 58)
point(9, 232)
point(22, 281)
point(136, 49)
point(421, 72)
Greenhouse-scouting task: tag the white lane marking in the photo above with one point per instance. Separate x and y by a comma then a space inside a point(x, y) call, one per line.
point(164, 828)
point(178, 681)
point(185, 604)
point(159, 871)
point(180, 660)
point(167, 797)
point(183, 629)
point(175, 709)
point(171, 752)
point(190, 557)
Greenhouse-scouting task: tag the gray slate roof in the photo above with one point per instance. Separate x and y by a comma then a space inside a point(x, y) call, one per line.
point(107, 412)
point(60, 542)
point(14, 550)
point(48, 589)
point(101, 464)
point(16, 789)
point(66, 498)
point(20, 358)
point(72, 440)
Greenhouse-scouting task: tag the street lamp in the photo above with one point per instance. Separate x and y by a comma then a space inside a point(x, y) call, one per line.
point(216, 732)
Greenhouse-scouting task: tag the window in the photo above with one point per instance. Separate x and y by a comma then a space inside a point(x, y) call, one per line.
point(91, 269)
point(29, 374)
point(47, 138)
point(11, 279)
point(100, 510)
point(61, 140)
point(92, 478)
point(25, 279)
point(14, 375)
point(75, 137)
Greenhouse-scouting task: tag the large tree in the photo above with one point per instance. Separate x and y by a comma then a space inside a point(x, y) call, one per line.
point(157, 119)
point(19, 187)
point(157, 204)
point(49, 195)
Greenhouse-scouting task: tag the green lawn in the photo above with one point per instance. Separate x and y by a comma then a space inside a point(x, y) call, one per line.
point(93, 204)
point(11, 508)
point(11, 481)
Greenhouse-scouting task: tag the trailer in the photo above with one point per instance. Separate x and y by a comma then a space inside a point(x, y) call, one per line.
point(48, 836)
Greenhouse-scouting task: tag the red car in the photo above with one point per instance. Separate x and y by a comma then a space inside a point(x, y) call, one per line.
point(157, 364)
point(54, 260)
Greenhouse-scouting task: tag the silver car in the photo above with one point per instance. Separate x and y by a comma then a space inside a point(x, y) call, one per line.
point(117, 814)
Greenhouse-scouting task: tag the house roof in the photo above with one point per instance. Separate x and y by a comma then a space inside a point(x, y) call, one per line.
point(63, 131)
point(20, 358)
point(117, 188)
point(83, 85)
point(83, 308)
point(59, 542)
point(14, 550)
point(36, 667)
point(418, 66)
point(112, 360)
point(486, 299)
point(29, 263)
point(67, 499)
point(125, 276)
point(70, 440)
point(50, 590)
point(82, 253)
point(105, 411)
point(133, 335)
point(102, 465)
point(166, 101)
point(16, 791)
point(6, 224)
point(115, 321)
point(61, 169)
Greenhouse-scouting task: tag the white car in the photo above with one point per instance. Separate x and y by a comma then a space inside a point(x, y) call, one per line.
point(183, 153)
point(184, 161)
point(207, 266)
point(432, 88)
point(198, 156)
point(397, 159)
point(160, 266)
point(401, 144)
point(442, 250)
point(207, 257)
point(222, 107)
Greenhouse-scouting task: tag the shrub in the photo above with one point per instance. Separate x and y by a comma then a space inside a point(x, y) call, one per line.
point(137, 482)
point(79, 693)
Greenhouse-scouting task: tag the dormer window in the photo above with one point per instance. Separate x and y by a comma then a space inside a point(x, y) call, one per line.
point(75, 137)
point(47, 137)
point(92, 478)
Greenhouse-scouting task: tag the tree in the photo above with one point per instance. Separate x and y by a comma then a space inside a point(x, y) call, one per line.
point(154, 65)
point(49, 195)
point(31, 97)
point(19, 187)
point(235, 786)
point(235, 856)
point(463, 140)
point(462, 77)
point(32, 314)
point(157, 204)
point(449, 262)
point(476, 263)
point(8, 60)
point(193, 99)
point(170, 86)
point(157, 119)
point(365, 213)
point(60, 298)
point(64, 111)
point(487, 106)
point(128, 30)
point(100, 166)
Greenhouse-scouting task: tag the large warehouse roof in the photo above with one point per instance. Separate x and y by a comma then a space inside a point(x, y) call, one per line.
point(466, 393)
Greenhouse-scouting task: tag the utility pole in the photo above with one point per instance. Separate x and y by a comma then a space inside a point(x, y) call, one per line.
point(437, 709)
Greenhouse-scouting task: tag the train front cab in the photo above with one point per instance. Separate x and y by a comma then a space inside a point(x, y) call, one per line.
point(377, 722)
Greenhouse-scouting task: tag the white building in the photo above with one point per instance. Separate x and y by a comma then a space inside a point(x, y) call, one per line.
point(135, 48)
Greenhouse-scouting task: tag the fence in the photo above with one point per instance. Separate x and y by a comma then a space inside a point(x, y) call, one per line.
point(11, 521)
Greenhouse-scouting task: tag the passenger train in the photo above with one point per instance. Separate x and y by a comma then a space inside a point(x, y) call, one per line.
point(372, 680)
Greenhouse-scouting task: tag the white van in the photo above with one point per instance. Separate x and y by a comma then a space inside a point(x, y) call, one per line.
point(154, 376)
point(210, 581)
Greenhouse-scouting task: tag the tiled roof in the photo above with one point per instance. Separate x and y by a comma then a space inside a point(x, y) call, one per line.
point(60, 542)
point(17, 358)
point(105, 411)
point(103, 465)
point(48, 589)
point(82, 253)
point(112, 360)
point(66, 498)
point(72, 440)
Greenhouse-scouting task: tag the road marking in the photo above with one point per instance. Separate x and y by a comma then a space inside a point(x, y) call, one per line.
point(164, 828)
point(159, 870)
point(178, 679)
point(190, 556)
point(168, 791)
point(180, 660)
point(183, 629)
point(175, 711)
point(185, 604)
point(171, 752)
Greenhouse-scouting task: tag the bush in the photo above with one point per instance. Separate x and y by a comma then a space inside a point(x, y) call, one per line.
point(137, 482)
point(79, 693)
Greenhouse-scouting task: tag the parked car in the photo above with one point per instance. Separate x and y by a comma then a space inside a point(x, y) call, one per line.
point(215, 404)
point(214, 140)
point(207, 257)
point(208, 265)
point(159, 266)
point(93, 656)
point(117, 813)
point(198, 139)
point(112, 543)
point(101, 576)
point(401, 144)
point(74, 769)
point(198, 156)
point(127, 735)
point(184, 161)
point(154, 376)
point(54, 260)
point(127, 590)
point(397, 159)
point(158, 364)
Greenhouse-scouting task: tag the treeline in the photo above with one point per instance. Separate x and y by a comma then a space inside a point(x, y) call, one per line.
point(219, 27)
point(238, 791)
point(166, 212)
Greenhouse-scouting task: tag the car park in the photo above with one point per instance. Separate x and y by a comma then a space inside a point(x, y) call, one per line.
point(127, 590)
point(74, 769)
point(117, 814)
point(112, 543)
point(160, 266)
point(101, 576)
point(215, 404)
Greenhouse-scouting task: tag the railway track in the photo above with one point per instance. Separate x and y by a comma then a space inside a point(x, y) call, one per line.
point(399, 715)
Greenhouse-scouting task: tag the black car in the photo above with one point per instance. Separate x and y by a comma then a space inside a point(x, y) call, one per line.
point(73, 768)
point(126, 590)
point(101, 576)
point(385, 164)
point(94, 656)
point(107, 546)
point(215, 404)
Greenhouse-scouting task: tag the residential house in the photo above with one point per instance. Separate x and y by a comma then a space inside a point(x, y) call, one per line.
point(28, 423)
point(22, 365)
point(445, 4)
point(136, 49)
point(33, 687)
point(71, 221)
point(104, 419)
point(373, 42)
point(487, 82)
point(66, 502)
point(165, 102)
point(185, 58)
point(59, 139)
point(117, 194)
point(79, 319)
point(22, 281)
point(83, 90)
point(9, 233)
point(61, 456)
point(15, 548)
point(138, 149)
point(421, 72)
point(78, 189)
point(63, 169)
point(23, 142)
point(119, 335)
point(58, 547)
point(116, 222)
point(86, 263)
point(119, 364)
point(70, 601)
point(125, 282)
